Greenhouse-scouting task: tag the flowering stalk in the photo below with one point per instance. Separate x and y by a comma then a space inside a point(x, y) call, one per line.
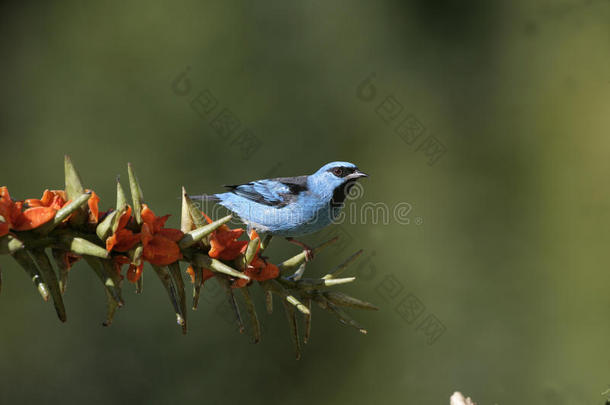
point(116, 243)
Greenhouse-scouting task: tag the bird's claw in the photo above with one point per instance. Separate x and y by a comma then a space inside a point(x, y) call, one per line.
point(308, 254)
point(308, 251)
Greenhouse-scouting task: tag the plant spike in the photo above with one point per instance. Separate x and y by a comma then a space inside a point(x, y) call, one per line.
point(121, 198)
point(298, 304)
point(269, 301)
point(49, 276)
point(340, 268)
point(307, 334)
point(64, 213)
point(166, 280)
point(135, 255)
point(313, 283)
point(186, 221)
point(82, 246)
point(276, 287)
point(113, 280)
point(109, 284)
point(140, 284)
point(58, 256)
point(136, 194)
point(112, 306)
point(105, 228)
point(256, 326)
point(339, 313)
point(112, 291)
point(250, 252)
point(345, 318)
point(176, 274)
point(136, 198)
point(295, 261)
point(298, 274)
point(191, 210)
point(224, 282)
point(216, 265)
point(344, 300)
point(25, 261)
point(196, 215)
point(197, 285)
point(294, 328)
point(266, 242)
point(194, 236)
point(74, 188)
point(69, 208)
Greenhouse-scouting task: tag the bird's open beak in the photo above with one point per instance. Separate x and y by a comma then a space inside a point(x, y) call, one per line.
point(357, 174)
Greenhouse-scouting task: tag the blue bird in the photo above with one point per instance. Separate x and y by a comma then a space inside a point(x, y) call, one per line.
point(291, 206)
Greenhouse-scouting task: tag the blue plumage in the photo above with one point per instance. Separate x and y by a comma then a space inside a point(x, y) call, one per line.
point(292, 206)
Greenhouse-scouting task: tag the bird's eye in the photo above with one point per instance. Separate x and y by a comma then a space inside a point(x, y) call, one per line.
point(338, 171)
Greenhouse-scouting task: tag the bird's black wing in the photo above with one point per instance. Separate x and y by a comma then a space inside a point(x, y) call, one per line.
point(277, 192)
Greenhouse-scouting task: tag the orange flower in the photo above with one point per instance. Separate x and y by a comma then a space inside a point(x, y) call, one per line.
point(122, 239)
point(5, 210)
point(118, 261)
point(160, 247)
point(258, 269)
point(69, 259)
point(55, 199)
point(207, 274)
point(94, 212)
point(159, 243)
point(134, 272)
point(17, 219)
point(224, 242)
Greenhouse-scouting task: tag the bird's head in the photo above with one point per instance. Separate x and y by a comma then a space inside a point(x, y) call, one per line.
point(335, 179)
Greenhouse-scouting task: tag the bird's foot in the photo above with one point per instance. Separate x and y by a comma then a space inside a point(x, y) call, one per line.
point(308, 251)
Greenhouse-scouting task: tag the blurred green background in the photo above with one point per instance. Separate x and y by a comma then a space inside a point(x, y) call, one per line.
point(507, 244)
